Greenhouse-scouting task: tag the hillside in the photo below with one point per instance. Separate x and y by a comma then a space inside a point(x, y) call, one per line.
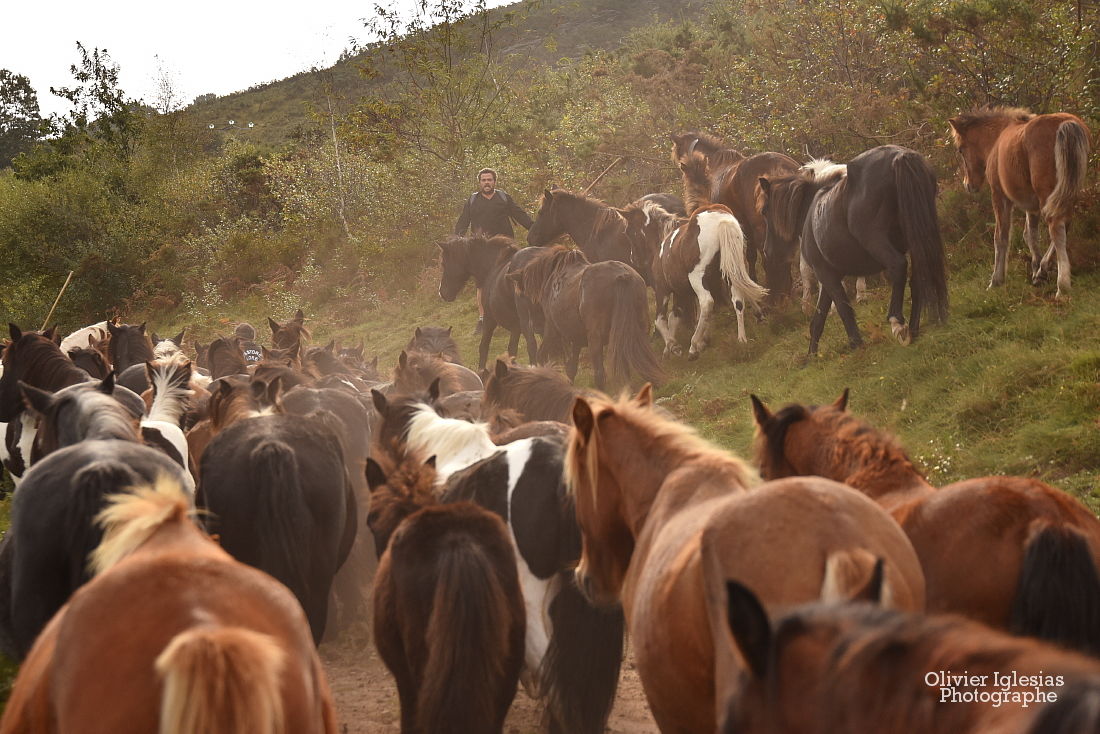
point(544, 33)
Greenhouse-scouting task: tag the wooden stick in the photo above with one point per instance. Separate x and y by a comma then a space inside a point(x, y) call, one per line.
point(56, 301)
point(614, 163)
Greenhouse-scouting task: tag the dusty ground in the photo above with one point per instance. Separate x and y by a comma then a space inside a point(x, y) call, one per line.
point(366, 697)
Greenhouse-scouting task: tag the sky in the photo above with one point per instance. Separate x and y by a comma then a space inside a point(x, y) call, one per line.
point(202, 46)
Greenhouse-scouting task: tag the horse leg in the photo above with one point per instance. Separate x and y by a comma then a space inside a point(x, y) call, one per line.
point(513, 343)
point(1002, 213)
point(861, 289)
point(526, 325)
point(596, 344)
point(488, 327)
point(832, 282)
point(1031, 237)
point(573, 352)
point(1057, 229)
point(807, 274)
point(817, 321)
point(706, 305)
point(662, 322)
point(897, 268)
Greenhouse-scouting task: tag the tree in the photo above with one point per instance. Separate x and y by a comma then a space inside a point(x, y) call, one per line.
point(21, 122)
point(100, 107)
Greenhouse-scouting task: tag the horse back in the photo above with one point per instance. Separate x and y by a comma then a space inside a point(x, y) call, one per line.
point(1021, 163)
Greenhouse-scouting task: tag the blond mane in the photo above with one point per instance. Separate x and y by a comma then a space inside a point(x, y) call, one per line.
point(132, 517)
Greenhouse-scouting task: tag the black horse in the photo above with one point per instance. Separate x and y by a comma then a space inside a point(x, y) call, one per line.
point(280, 500)
point(489, 261)
point(862, 223)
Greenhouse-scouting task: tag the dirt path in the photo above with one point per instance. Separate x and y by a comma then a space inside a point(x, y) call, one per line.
point(366, 697)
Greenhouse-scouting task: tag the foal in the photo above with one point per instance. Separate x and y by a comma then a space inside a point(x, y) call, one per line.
point(665, 518)
point(1011, 552)
point(229, 645)
point(447, 577)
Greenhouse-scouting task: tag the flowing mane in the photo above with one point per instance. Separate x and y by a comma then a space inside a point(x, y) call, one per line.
point(133, 517)
point(545, 266)
point(986, 115)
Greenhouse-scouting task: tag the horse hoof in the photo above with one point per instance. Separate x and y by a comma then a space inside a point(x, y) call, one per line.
point(692, 355)
point(901, 333)
point(677, 350)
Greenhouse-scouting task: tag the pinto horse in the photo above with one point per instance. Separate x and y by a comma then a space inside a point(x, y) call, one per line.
point(857, 668)
point(1011, 552)
point(860, 223)
point(665, 518)
point(447, 577)
point(172, 635)
point(734, 183)
point(490, 261)
point(573, 649)
point(601, 306)
point(1032, 162)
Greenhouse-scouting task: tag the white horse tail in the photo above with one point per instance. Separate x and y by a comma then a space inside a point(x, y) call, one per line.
point(1071, 158)
point(224, 679)
point(731, 261)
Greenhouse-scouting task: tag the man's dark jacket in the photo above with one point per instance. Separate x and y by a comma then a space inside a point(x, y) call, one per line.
point(491, 216)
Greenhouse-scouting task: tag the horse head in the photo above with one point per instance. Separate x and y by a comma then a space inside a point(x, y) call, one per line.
point(399, 486)
point(547, 226)
point(455, 252)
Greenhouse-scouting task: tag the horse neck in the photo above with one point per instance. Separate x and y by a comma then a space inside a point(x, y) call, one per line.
point(877, 469)
point(482, 261)
point(580, 219)
point(984, 135)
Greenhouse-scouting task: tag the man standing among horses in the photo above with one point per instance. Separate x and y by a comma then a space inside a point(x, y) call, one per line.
point(489, 212)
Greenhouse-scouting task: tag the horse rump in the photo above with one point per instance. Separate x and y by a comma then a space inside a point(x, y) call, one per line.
point(224, 679)
point(628, 346)
point(1058, 594)
point(580, 672)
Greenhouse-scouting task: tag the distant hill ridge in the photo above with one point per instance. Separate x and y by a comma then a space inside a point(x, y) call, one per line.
point(554, 30)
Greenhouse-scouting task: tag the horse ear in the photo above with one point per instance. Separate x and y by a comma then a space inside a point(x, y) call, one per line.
point(150, 370)
point(765, 184)
point(416, 334)
point(53, 335)
point(403, 360)
point(583, 419)
point(375, 476)
point(374, 362)
point(178, 339)
point(299, 315)
point(956, 124)
point(433, 390)
point(872, 590)
point(112, 328)
point(156, 338)
point(108, 384)
point(760, 411)
point(431, 461)
point(379, 400)
point(258, 390)
point(749, 624)
point(449, 330)
point(330, 346)
point(265, 352)
point(841, 403)
point(274, 391)
point(37, 401)
point(644, 397)
point(500, 371)
point(141, 327)
point(15, 332)
point(547, 194)
point(273, 324)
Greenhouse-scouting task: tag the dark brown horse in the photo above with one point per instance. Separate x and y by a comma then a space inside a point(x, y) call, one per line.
point(601, 306)
point(1011, 552)
point(861, 222)
point(129, 346)
point(292, 333)
point(490, 262)
point(434, 340)
point(734, 183)
point(857, 668)
point(1032, 162)
point(226, 650)
point(416, 371)
point(666, 518)
point(601, 231)
point(224, 357)
point(535, 393)
point(449, 619)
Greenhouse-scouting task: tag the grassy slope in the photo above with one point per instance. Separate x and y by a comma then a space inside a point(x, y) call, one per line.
point(1011, 384)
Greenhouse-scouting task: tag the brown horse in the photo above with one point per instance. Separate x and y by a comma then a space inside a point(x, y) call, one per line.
point(129, 346)
point(734, 183)
point(665, 518)
point(603, 306)
point(434, 340)
point(1032, 162)
point(223, 357)
point(292, 333)
point(449, 619)
point(600, 230)
point(1011, 552)
point(229, 645)
point(856, 668)
point(535, 393)
point(416, 371)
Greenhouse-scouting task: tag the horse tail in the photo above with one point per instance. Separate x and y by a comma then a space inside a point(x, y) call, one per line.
point(1058, 593)
point(628, 347)
point(471, 611)
point(1076, 710)
point(580, 672)
point(282, 517)
point(915, 183)
point(697, 182)
point(1071, 159)
point(224, 679)
point(731, 261)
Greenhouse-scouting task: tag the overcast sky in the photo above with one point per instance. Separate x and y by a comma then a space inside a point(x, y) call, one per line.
point(203, 45)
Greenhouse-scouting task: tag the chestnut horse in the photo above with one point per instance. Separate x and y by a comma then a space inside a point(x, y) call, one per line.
point(861, 222)
point(291, 334)
point(734, 180)
point(449, 619)
point(1011, 552)
point(665, 518)
point(172, 635)
point(601, 306)
point(535, 393)
point(416, 371)
point(856, 668)
point(1032, 162)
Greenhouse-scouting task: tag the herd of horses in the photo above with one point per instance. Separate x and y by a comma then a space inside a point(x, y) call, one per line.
point(187, 526)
